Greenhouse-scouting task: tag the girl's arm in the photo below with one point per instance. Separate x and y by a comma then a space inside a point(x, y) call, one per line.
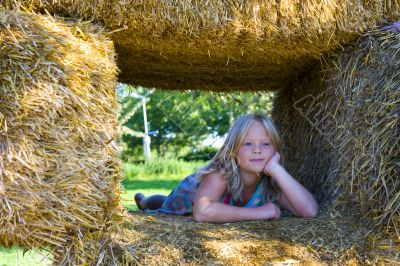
point(207, 207)
point(294, 196)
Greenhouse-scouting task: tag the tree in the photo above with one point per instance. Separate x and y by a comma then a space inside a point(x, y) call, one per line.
point(185, 119)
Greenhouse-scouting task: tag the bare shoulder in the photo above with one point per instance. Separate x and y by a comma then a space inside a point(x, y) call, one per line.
point(215, 177)
point(213, 186)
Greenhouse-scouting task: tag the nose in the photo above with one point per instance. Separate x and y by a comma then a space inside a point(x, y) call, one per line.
point(256, 149)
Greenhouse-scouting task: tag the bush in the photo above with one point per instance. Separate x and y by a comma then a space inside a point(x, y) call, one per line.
point(202, 154)
point(160, 166)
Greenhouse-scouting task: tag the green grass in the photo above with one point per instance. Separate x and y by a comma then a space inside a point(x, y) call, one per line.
point(15, 257)
point(159, 176)
point(156, 177)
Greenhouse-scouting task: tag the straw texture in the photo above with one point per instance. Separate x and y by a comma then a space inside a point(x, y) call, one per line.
point(329, 240)
point(341, 127)
point(339, 115)
point(223, 45)
point(59, 166)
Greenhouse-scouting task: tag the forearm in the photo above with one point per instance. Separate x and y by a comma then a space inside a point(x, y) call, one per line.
point(299, 197)
point(216, 212)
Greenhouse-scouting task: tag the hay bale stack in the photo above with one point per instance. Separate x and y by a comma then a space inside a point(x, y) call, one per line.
point(367, 85)
point(329, 240)
point(307, 152)
point(224, 45)
point(59, 166)
point(341, 126)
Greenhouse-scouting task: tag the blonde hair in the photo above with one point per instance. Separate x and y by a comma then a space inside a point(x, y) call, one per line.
point(225, 159)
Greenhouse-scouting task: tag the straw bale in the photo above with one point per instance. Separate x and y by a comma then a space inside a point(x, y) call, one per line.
point(341, 127)
point(59, 179)
point(59, 163)
point(332, 239)
point(367, 89)
point(223, 45)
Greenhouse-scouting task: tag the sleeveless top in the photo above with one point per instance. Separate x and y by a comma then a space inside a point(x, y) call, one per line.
point(180, 200)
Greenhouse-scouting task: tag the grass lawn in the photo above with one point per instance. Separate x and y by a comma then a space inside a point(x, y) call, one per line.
point(148, 186)
point(15, 257)
point(157, 177)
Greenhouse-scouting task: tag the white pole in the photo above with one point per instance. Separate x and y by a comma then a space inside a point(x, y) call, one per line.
point(146, 139)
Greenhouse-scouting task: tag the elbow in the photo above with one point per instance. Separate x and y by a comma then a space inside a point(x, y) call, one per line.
point(200, 213)
point(198, 217)
point(205, 215)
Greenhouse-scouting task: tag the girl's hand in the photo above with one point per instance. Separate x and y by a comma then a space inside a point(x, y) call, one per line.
point(272, 162)
point(271, 211)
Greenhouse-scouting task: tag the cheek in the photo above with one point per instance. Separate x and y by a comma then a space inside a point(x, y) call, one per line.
point(270, 152)
point(240, 155)
point(242, 152)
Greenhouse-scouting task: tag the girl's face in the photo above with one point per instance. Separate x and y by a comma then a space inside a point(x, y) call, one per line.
point(254, 152)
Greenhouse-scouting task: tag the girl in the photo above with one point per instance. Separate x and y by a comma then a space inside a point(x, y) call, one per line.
point(240, 183)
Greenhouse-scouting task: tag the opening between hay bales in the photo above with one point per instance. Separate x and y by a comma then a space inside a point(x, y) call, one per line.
point(325, 119)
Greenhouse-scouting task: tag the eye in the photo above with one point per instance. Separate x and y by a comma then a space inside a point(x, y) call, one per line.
point(247, 144)
point(266, 144)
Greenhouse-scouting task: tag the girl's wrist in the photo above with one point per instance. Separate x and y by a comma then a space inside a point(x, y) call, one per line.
point(272, 168)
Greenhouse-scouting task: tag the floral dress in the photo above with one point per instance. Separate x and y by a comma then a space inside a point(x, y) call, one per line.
point(180, 200)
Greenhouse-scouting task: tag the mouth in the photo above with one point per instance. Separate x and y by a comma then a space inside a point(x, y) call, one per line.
point(256, 160)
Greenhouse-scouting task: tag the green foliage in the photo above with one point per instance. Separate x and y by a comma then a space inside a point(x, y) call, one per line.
point(183, 119)
point(159, 167)
point(202, 154)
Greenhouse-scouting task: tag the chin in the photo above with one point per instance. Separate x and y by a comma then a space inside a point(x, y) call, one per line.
point(254, 170)
point(258, 172)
